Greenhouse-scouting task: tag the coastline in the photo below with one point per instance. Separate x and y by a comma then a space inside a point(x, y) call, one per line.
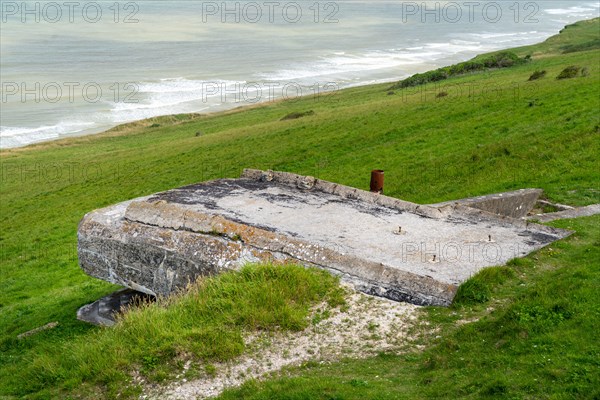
point(163, 94)
point(231, 108)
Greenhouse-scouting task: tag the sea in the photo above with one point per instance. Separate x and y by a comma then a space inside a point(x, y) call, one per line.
point(71, 68)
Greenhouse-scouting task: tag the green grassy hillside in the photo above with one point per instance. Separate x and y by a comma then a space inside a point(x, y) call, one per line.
point(493, 131)
point(535, 337)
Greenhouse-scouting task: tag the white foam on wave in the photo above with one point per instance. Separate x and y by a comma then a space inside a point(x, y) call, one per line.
point(180, 85)
point(589, 10)
point(19, 136)
point(351, 65)
point(330, 66)
point(164, 97)
point(505, 37)
point(568, 15)
point(171, 96)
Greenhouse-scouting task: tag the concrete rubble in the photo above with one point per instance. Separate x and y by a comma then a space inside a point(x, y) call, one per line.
point(104, 312)
point(383, 246)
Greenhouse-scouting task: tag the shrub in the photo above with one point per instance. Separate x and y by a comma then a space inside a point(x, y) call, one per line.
point(471, 292)
point(503, 59)
point(569, 72)
point(478, 289)
point(296, 115)
point(537, 75)
point(420, 79)
point(573, 48)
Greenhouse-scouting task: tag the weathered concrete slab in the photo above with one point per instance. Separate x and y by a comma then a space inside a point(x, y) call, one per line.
point(515, 204)
point(384, 246)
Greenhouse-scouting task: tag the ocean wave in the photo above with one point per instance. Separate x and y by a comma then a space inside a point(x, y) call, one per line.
point(173, 92)
point(181, 85)
point(171, 96)
point(335, 65)
point(576, 11)
point(19, 136)
point(351, 66)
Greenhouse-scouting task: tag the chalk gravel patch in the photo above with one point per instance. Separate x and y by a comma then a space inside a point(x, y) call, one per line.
point(366, 327)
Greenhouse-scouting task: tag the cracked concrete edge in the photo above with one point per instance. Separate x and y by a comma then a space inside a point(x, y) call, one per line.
point(424, 291)
point(122, 254)
point(560, 207)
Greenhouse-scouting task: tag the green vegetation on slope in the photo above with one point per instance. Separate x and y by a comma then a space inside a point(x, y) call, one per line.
point(580, 36)
point(540, 340)
point(504, 59)
point(493, 131)
point(205, 323)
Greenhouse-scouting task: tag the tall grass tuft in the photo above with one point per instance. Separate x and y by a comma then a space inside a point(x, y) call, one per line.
point(478, 289)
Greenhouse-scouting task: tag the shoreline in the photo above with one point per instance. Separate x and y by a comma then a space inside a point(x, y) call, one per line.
point(123, 128)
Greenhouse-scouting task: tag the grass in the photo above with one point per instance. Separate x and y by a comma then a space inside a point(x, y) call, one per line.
point(206, 323)
point(493, 131)
point(534, 337)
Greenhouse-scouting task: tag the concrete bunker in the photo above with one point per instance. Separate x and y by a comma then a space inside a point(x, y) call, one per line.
point(383, 246)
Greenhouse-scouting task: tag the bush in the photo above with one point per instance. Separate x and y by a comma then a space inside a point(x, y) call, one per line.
point(537, 75)
point(503, 59)
point(473, 291)
point(478, 289)
point(569, 72)
point(420, 79)
point(573, 48)
point(296, 115)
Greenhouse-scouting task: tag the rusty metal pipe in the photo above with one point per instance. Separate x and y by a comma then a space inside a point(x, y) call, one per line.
point(377, 178)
